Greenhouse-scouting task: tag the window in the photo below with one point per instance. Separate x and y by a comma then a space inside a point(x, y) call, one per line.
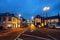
point(52, 20)
point(0, 18)
point(14, 19)
point(4, 18)
point(49, 21)
point(10, 19)
point(37, 20)
point(56, 20)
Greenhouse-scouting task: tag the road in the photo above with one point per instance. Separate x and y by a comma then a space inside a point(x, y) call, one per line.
point(26, 34)
point(12, 34)
point(41, 34)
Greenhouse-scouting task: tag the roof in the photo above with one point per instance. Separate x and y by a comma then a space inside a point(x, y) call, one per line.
point(8, 14)
point(52, 17)
point(38, 16)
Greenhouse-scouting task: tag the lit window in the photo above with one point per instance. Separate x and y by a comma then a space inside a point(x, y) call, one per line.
point(14, 19)
point(38, 20)
point(48, 20)
point(52, 20)
point(42, 24)
point(9, 25)
point(45, 22)
point(56, 20)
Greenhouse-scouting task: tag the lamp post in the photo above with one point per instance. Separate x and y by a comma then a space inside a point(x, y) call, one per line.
point(46, 9)
point(32, 17)
point(28, 21)
point(32, 27)
point(19, 15)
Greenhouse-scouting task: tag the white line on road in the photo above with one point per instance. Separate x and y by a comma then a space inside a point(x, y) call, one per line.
point(21, 33)
point(36, 37)
point(52, 37)
point(18, 39)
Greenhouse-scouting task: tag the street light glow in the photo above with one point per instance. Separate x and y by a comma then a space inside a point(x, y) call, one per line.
point(32, 17)
point(46, 8)
point(28, 20)
point(19, 15)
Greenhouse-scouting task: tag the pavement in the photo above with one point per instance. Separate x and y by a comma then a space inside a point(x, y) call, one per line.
point(10, 34)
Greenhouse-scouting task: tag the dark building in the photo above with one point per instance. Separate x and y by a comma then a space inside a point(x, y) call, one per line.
point(53, 19)
point(41, 21)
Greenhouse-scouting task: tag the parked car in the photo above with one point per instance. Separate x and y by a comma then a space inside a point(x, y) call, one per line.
point(57, 26)
point(51, 26)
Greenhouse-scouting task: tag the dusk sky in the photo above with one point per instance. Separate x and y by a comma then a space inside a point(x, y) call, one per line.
point(28, 8)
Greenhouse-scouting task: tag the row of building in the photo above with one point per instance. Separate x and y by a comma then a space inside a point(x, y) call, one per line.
point(8, 20)
point(41, 21)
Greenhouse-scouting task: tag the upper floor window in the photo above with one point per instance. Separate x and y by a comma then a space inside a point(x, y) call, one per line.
point(0, 18)
point(9, 19)
point(56, 20)
point(4, 18)
point(14, 19)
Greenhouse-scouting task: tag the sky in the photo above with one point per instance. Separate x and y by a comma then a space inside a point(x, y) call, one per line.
point(28, 8)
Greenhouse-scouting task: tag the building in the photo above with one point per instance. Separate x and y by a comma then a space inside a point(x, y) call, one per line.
point(53, 19)
point(23, 22)
point(39, 21)
point(42, 22)
point(8, 20)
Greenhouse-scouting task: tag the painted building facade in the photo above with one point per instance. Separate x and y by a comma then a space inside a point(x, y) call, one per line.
point(8, 20)
point(53, 19)
point(39, 21)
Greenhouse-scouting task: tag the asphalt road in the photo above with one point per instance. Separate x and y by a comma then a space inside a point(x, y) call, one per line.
point(26, 34)
point(41, 34)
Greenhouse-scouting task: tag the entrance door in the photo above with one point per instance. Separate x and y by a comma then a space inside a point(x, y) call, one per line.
point(38, 24)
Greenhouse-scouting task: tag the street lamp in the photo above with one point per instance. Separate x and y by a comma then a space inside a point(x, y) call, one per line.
point(32, 17)
point(46, 9)
point(19, 15)
point(27, 20)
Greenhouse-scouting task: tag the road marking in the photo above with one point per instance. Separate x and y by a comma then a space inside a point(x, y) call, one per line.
point(21, 33)
point(18, 39)
point(52, 37)
point(36, 37)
